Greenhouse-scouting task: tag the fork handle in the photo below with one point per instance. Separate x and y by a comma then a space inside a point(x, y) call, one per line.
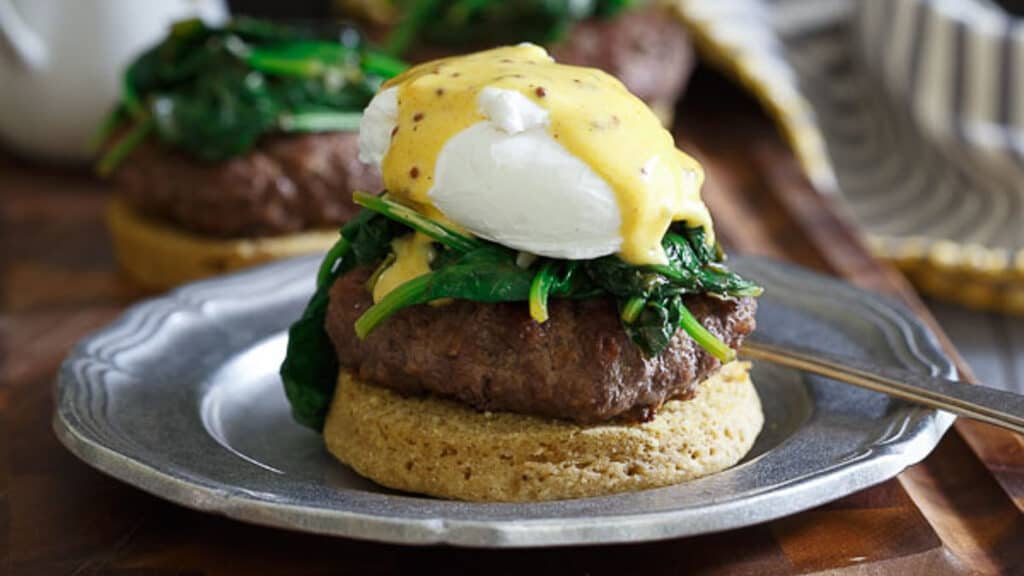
point(989, 405)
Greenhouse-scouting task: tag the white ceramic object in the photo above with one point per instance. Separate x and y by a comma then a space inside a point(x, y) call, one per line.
point(61, 64)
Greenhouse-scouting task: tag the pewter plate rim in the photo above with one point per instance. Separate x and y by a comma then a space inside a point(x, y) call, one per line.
point(916, 433)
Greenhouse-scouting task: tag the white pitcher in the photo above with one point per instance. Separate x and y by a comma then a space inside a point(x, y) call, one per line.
point(61, 63)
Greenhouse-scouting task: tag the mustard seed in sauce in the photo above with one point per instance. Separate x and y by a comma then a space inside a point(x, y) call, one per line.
point(589, 114)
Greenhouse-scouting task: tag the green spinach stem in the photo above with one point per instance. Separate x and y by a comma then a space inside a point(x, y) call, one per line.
point(705, 339)
point(540, 288)
point(320, 121)
point(130, 98)
point(271, 64)
point(102, 134)
point(416, 221)
point(632, 309)
point(125, 146)
point(382, 65)
point(407, 294)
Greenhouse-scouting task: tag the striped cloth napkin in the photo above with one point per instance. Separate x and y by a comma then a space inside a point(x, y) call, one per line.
point(913, 110)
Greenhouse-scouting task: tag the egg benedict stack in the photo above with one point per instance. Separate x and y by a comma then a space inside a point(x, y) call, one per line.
point(535, 308)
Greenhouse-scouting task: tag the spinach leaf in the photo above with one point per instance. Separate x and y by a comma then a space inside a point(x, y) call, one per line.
point(217, 116)
point(310, 368)
point(656, 324)
point(213, 92)
point(622, 279)
point(399, 213)
point(486, 274)
point(699, 269)
point(493, 22)
point(697, 238)
point(370, 235)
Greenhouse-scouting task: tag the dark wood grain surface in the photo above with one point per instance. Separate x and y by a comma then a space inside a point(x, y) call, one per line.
point(958, 512)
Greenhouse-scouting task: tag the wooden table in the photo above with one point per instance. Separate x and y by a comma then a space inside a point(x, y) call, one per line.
point(958, 512)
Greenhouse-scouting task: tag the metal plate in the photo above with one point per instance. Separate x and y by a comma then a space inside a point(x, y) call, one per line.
point(181, 398)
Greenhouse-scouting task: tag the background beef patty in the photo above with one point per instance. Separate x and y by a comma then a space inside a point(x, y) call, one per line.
point(285, 185)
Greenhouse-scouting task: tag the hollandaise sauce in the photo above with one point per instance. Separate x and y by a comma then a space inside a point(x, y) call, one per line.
point(413, 253)
point(591, 114)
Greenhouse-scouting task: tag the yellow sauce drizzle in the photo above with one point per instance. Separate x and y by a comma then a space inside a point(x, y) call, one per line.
point(591, 114)
point(413, 253)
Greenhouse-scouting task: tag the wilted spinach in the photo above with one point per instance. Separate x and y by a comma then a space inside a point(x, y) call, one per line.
point(650, 298)
point(214, 91)
point(475, 22)
point(311, 366)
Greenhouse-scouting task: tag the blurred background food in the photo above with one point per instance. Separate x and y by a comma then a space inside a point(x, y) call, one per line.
point(234, 144)
point(639, 42)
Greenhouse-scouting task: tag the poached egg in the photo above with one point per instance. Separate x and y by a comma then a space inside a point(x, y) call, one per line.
point(548, 159)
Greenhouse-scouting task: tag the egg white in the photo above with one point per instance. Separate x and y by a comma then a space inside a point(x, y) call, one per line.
point(506, 179)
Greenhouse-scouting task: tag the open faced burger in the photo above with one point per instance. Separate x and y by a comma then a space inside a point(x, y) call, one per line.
point(237, 144)
point(535, 307)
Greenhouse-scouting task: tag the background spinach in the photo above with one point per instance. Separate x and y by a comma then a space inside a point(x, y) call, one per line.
point(492, 22)
point(213, 92)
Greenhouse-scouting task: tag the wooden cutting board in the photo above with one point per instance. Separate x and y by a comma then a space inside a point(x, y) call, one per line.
point(958, 512)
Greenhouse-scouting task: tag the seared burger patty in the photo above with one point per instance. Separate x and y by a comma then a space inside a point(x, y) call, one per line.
point(579, 365)
point(648, 50)
point(287, 184)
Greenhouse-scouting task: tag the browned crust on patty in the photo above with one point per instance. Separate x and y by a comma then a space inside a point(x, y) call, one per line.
point(579, 365)
point(286, 185)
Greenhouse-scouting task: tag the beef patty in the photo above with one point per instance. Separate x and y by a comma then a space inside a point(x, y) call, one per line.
point(648, 50)
point(287, 184)
point(579, 365)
